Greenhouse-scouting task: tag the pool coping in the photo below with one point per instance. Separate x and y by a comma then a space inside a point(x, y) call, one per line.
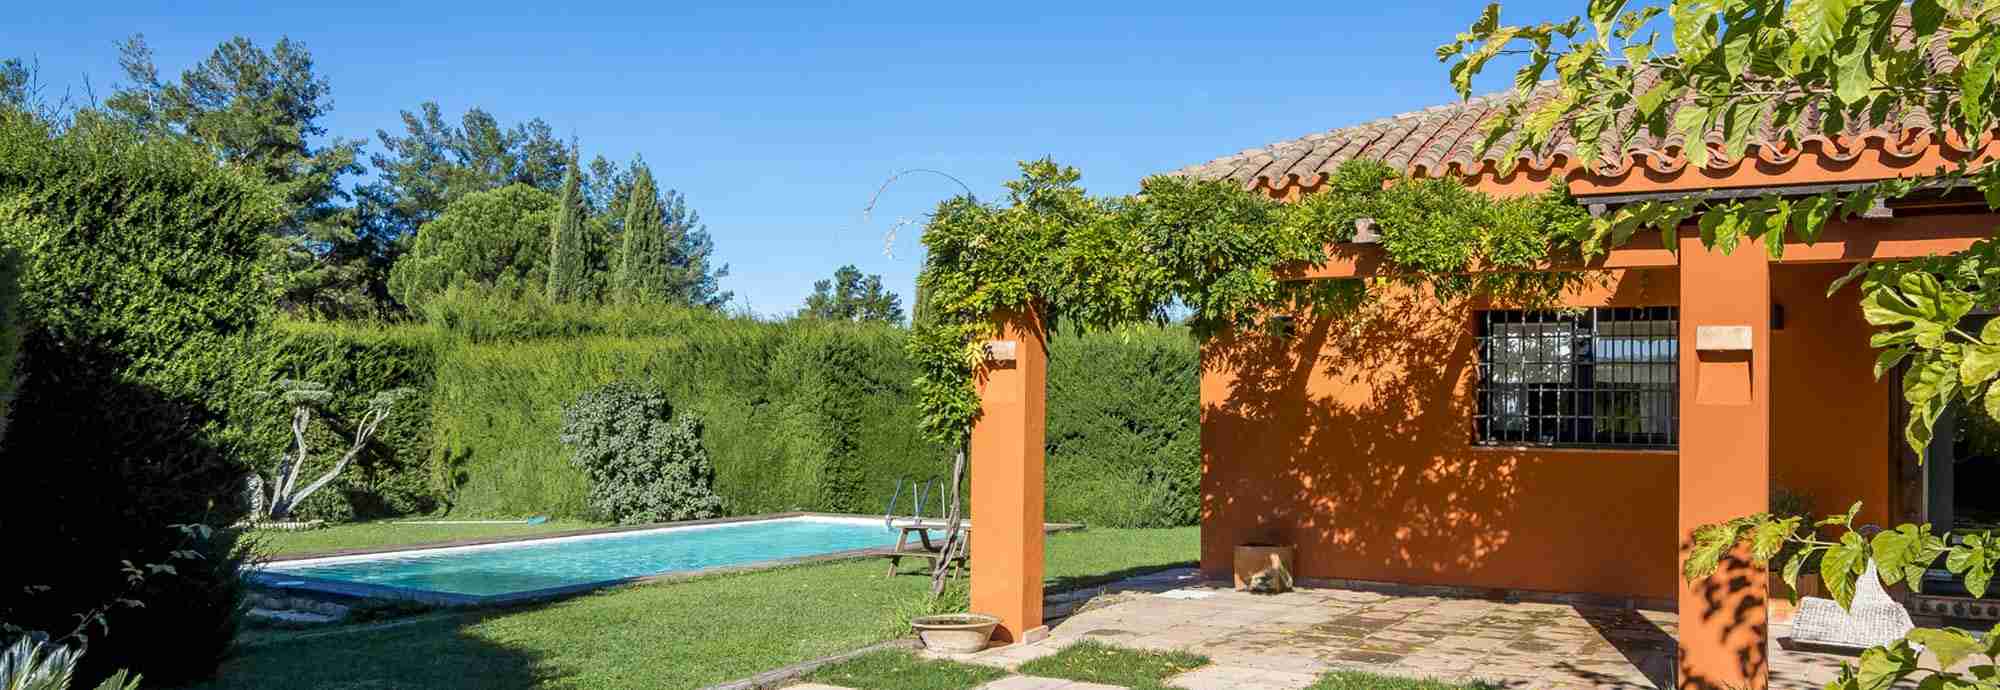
point(342, 588)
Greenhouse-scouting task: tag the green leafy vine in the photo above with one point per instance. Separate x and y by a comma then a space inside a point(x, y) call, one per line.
point(1212, 249)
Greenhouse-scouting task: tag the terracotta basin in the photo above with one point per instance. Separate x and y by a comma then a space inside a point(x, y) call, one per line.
point(955, 633)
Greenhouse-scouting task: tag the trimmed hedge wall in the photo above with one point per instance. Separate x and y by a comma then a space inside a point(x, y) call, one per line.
point(806, 415)
point(800, 415)
point(1124, 436)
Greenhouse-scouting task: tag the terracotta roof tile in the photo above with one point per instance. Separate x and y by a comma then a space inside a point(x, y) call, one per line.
point(1446, 139)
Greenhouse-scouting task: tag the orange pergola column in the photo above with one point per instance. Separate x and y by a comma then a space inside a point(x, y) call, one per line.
point(1007, 472)
point(1725, 456)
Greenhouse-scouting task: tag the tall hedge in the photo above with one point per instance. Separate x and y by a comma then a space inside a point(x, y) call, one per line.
point(802, 415)
point(1124, 434)
point(142, 279)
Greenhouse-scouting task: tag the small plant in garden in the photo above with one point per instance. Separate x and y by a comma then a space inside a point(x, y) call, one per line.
point(34, 662)
point(644, 463)
point(282, 495)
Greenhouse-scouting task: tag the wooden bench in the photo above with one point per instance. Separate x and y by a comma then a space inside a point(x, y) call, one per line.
point(924, 549)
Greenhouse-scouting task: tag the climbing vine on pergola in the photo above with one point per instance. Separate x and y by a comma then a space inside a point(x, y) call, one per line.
point(1211, 248)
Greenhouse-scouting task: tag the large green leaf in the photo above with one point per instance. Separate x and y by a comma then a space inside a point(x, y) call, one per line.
point(1981, 61)
point(1929, 379)
point(1603, 13)
point(1888, 358)
point(1992, 401)
point(1692, 123)
point(1817, 25)
point(1949, 644)
point(1881, 667)
point(1842, 565)
point(1973, 560)
point(1919, 302)
point(1902, 554)
point(1792, 569)
point(1709, 543)
point(1852, 80)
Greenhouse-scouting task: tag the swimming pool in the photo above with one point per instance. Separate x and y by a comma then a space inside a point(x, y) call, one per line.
point(539, 568)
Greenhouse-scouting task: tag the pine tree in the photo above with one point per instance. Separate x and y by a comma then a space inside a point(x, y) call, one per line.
point(568, 270)
point(850, 296)
point(642, 275)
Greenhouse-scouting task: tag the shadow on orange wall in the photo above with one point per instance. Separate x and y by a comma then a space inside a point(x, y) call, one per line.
point(1352, 439)
point(1830, 426)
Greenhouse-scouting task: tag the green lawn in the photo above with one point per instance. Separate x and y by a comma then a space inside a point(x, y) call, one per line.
point(386, 533)
point(903, 670)
point(685, 634)
point(1095, 662)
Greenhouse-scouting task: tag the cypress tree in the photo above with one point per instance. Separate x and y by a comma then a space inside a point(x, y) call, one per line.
point(643, 267)
point(568, 270)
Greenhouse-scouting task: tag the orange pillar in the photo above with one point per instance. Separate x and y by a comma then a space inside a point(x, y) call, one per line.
point(1725, 455)
point(1007, 489)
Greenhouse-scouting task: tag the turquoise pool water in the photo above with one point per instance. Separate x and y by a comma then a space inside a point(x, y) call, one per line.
point(568, 562)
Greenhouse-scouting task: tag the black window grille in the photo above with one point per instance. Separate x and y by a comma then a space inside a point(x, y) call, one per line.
point(1605, 377)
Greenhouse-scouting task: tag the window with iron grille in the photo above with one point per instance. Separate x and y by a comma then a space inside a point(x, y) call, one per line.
point(1606, 377)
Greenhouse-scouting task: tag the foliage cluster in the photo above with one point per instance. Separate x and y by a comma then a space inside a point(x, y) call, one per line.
point(644, 462)
point(487, 239)
point(1209, 247)
point(849, 296)
point(142, 268)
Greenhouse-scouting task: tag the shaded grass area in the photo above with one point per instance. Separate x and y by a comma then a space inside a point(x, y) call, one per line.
point(1356, 680)
point(382, 533)
point(894, 669)
point(685, 634)
point(1095, 662)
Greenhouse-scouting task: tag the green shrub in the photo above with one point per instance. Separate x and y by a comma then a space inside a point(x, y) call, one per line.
point(142, 278)
point(643, 462)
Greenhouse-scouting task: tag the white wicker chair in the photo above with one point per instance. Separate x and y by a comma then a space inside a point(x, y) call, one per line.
point(1874, 618)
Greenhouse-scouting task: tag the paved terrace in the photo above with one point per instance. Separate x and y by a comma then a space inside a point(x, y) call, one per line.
point(1263, 642)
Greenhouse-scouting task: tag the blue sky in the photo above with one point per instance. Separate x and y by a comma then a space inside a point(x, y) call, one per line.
point(779, 122)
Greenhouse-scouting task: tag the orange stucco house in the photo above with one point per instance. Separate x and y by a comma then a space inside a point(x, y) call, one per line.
point(1556, 452)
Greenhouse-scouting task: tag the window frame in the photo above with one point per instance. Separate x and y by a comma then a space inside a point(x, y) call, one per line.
point(1562, 396)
